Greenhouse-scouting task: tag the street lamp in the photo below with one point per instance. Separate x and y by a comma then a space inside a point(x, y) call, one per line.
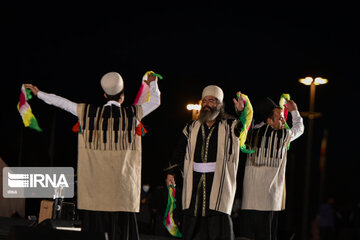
point(195, 108)
point(309, 81)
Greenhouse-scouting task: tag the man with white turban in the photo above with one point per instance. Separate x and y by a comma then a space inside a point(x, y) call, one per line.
point(208, 153)
point(109, 156)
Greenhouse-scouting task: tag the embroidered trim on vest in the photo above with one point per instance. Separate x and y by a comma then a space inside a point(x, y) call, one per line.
point(109, 127)
point(226, 156)
point(269, 145)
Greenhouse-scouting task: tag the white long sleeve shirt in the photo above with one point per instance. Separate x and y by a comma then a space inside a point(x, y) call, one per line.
point(297, 128)
point(71, 107)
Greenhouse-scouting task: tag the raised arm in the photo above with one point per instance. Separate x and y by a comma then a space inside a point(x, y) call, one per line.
point(297, 128)
point(54, 100)
point(239, 108)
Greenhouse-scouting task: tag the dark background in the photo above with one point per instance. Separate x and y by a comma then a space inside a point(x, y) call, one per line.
point(262, 50)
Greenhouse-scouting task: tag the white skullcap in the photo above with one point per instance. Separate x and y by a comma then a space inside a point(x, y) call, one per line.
point(213, 90)
point(112, 83)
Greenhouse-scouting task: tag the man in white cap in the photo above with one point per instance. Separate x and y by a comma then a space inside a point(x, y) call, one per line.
point(109, 156)
point(208, 153)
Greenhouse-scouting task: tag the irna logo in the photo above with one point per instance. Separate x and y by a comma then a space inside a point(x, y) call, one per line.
point(37, 182)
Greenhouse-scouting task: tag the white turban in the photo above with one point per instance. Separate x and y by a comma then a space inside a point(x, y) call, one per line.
point(213, 90)
point(112, 83)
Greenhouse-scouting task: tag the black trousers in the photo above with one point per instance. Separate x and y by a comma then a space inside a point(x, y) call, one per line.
point(118, 225)
point(258, 225)
point(214, 227)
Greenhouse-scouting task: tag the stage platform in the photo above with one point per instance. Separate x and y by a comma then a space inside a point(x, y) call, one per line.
point(21, 229)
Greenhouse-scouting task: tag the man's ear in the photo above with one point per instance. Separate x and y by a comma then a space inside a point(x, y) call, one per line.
point(105, 95)
point(269, 121)
point(122, 98)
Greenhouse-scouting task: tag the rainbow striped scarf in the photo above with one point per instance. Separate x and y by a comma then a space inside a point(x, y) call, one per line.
point(143, 96)
point(168, 217)
point(245, 118)
point(283, 98)
point(25, 109)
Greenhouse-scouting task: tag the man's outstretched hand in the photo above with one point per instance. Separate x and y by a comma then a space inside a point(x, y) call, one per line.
point(291, 105)
point(150, 78)
point(170, 180)
point(239, 103)
point(33, 88)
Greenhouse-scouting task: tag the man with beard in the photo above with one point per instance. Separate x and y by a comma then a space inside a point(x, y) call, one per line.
point(208, 153)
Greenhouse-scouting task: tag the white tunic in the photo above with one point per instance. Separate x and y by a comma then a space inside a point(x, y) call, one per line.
point(109, 161)
point(264, 177)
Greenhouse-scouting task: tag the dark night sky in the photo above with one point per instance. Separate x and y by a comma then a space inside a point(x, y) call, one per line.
point(260, 50)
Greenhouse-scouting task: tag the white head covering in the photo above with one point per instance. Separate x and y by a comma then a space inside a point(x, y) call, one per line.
point(213, 90)
point(112, 83)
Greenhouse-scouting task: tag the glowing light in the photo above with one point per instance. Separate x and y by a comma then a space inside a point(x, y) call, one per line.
point(306, 81)
point(320, 80)
point(196, 107)
point(310, 80)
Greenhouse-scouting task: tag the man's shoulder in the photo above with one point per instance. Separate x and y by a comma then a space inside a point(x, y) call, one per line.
point(228, 121)
point(192, 123)
point(266, 129)
point(91, 109)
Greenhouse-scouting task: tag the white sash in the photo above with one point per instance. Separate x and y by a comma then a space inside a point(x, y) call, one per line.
point(204, 167)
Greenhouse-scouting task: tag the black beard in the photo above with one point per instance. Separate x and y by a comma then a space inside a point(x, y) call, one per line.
point(206, 116)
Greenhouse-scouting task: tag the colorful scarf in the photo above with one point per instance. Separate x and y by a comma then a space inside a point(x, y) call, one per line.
point(143, 96)
point(168, 217)
point(245, 118)
point(283, 98)
point(25, 109)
